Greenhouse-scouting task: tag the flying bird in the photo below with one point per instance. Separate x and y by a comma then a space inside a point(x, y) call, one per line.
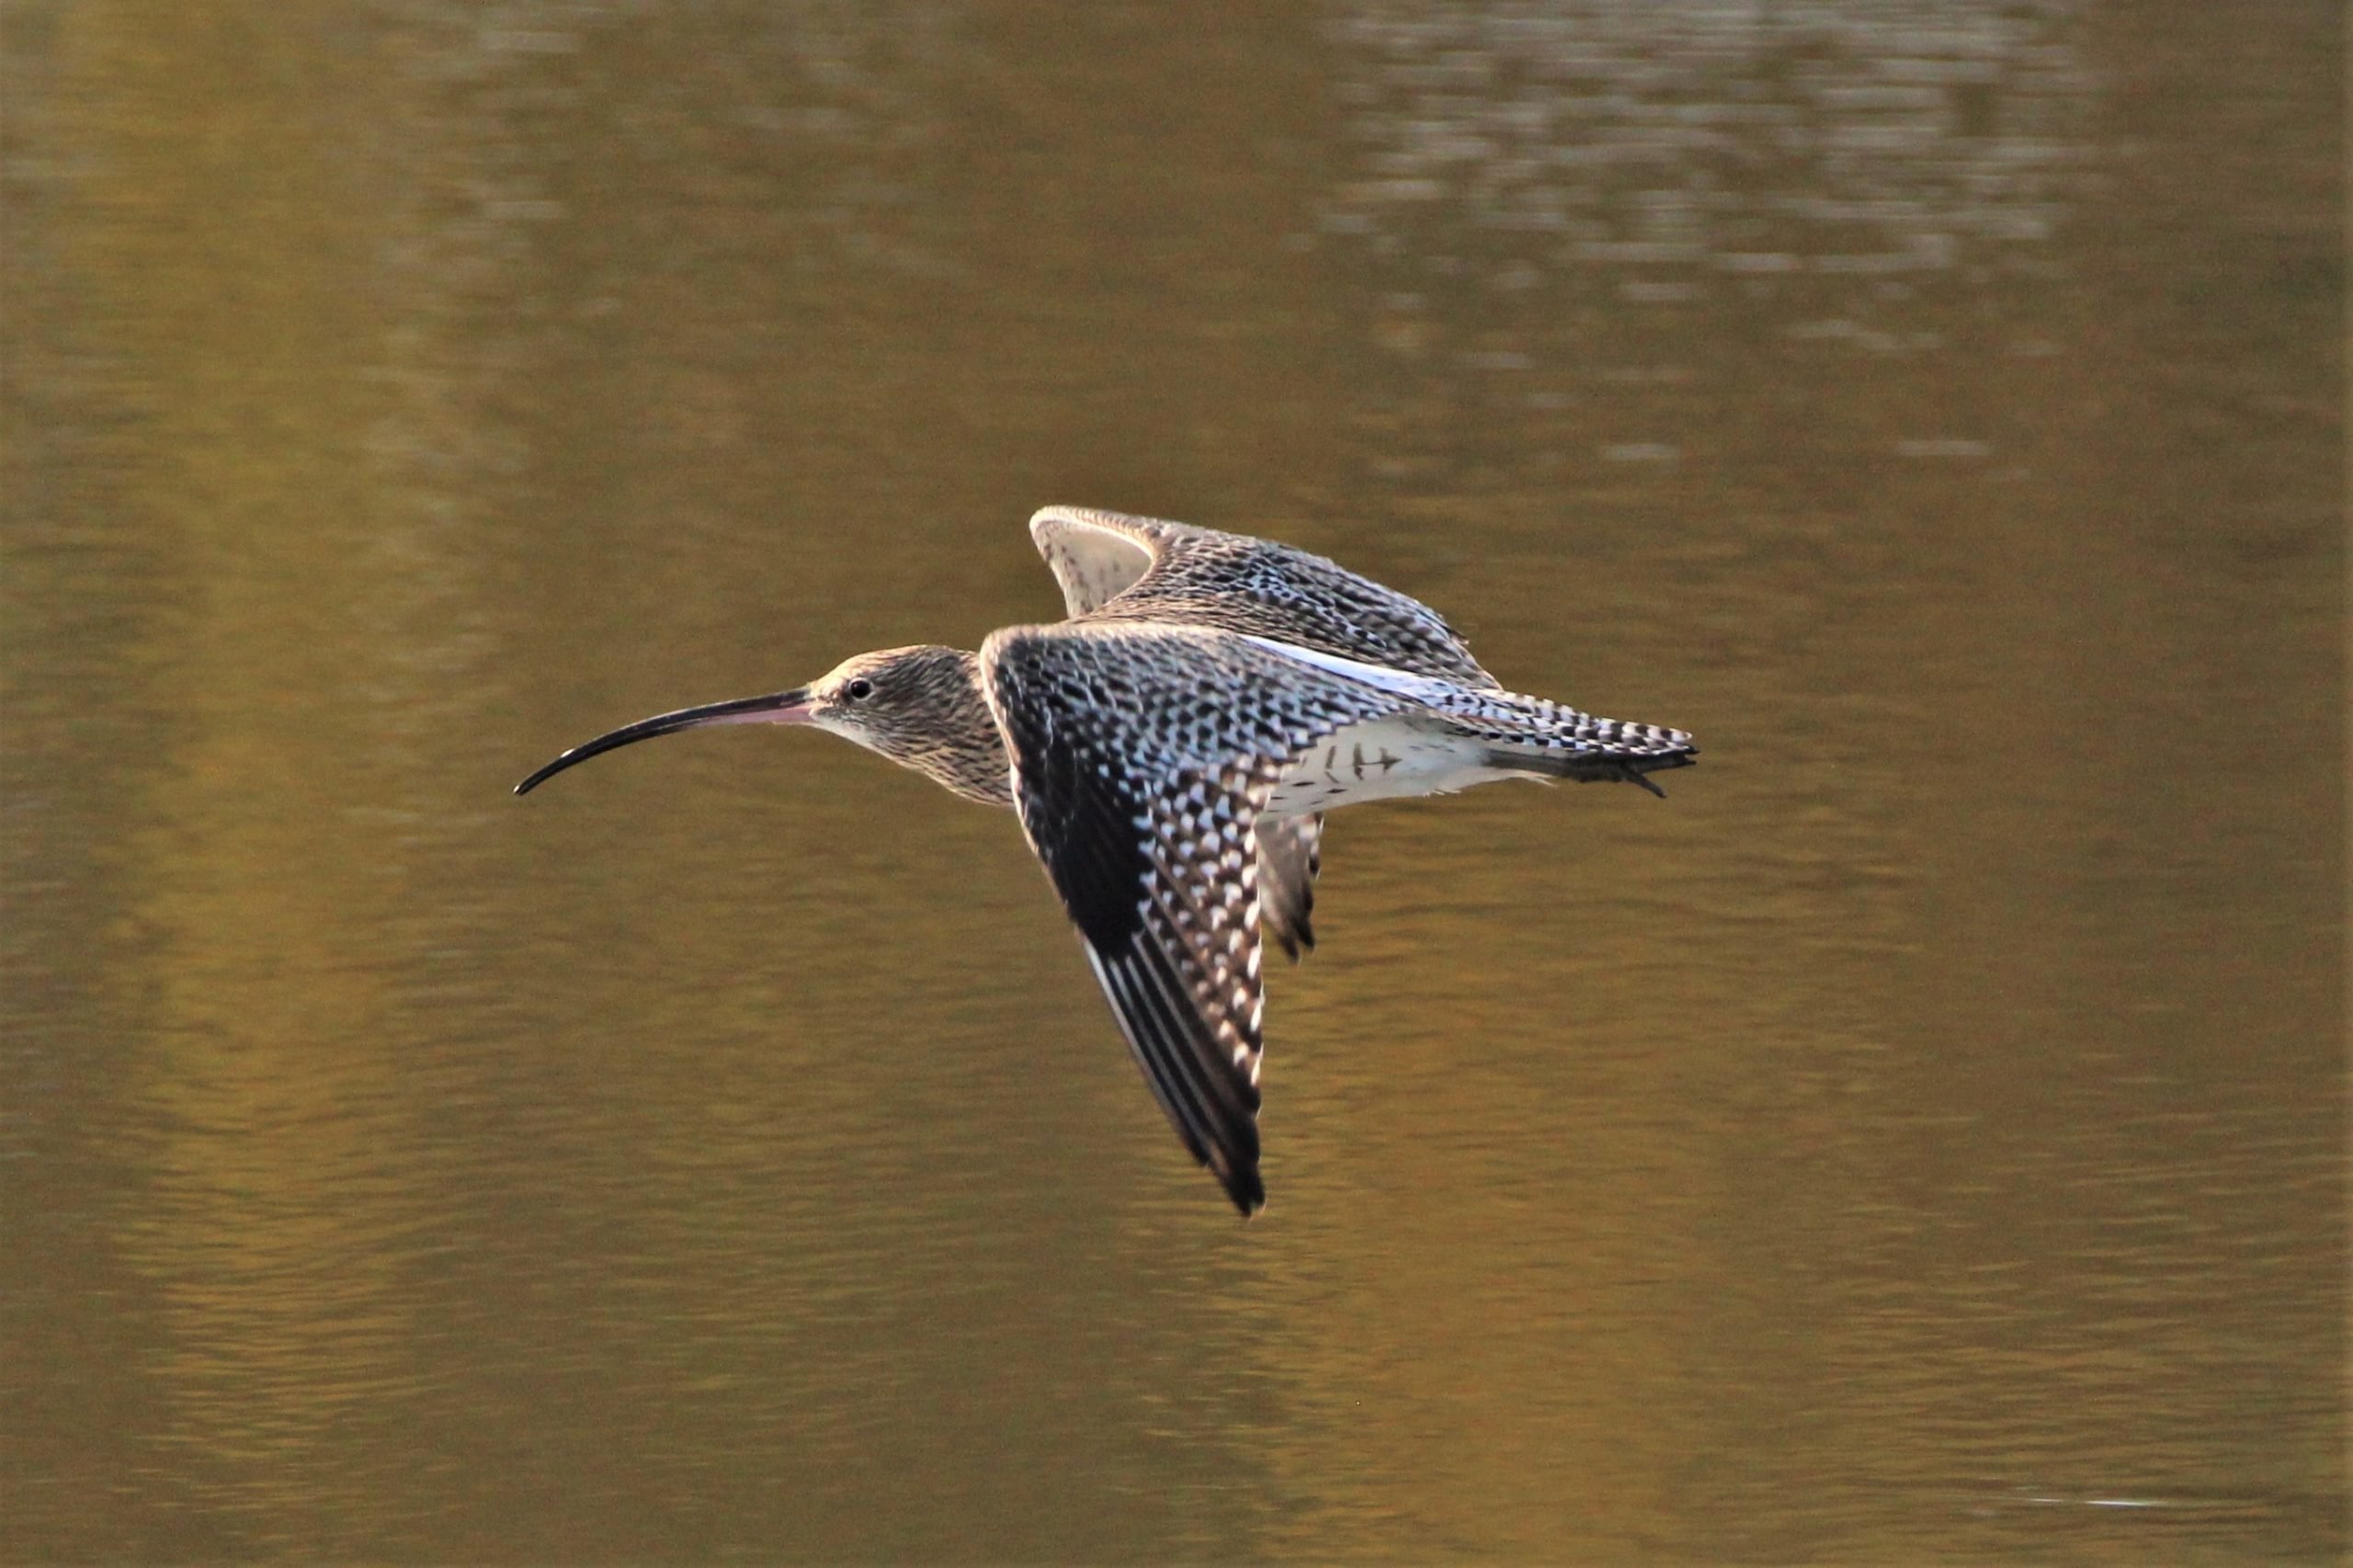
point(1171, 749)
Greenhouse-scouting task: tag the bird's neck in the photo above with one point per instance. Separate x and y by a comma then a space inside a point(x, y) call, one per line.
point(968, 758)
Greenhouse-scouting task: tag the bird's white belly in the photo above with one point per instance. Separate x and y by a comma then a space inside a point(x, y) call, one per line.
point(1385, 759)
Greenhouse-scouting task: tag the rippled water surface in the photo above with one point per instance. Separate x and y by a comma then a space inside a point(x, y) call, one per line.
point(1921, 1138)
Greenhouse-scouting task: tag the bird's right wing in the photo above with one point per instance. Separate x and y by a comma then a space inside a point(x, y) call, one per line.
point(1150, 569)
point(1096, 556)
point(1291, 852)
point(1143, 756)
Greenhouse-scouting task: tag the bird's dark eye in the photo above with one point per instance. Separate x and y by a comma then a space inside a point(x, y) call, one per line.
point(859, 689)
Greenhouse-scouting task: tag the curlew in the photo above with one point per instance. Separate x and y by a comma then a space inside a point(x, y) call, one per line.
point(1171, 749)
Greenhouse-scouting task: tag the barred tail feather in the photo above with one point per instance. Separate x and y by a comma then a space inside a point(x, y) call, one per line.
point(1555, 742)
point(1608, 765)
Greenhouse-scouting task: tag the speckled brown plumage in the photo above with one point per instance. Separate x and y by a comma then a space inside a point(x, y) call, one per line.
point(1171, 749)
point(1110, 564)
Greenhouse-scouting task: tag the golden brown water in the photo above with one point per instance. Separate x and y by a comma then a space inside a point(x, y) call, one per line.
point(1919, 1140)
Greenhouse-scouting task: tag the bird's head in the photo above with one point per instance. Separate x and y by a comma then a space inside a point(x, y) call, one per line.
point(921, 706)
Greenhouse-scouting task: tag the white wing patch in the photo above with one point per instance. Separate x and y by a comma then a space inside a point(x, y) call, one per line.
point(1094, 562)
point(1420, 688)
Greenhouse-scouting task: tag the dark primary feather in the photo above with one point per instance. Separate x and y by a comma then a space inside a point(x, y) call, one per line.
point(1143, 757)
point(1291, 852)
point(1185, 982)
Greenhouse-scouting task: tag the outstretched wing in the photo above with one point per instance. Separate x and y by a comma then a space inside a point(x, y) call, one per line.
point(1143, 756)
point(1149, 569)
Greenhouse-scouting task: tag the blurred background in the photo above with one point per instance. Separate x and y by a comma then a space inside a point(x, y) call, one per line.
point(1918, 1139)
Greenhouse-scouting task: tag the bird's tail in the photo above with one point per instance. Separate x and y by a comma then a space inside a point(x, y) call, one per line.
point(1547, 740)
point(1533, 736)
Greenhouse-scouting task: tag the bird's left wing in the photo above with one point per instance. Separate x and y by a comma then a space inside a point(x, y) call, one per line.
point(1143, 757)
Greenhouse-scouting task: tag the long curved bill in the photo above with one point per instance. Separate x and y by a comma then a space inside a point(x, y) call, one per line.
point(777, 708)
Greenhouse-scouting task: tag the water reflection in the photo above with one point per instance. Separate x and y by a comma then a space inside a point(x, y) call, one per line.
point(1607, 228)
point(1688, 140)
